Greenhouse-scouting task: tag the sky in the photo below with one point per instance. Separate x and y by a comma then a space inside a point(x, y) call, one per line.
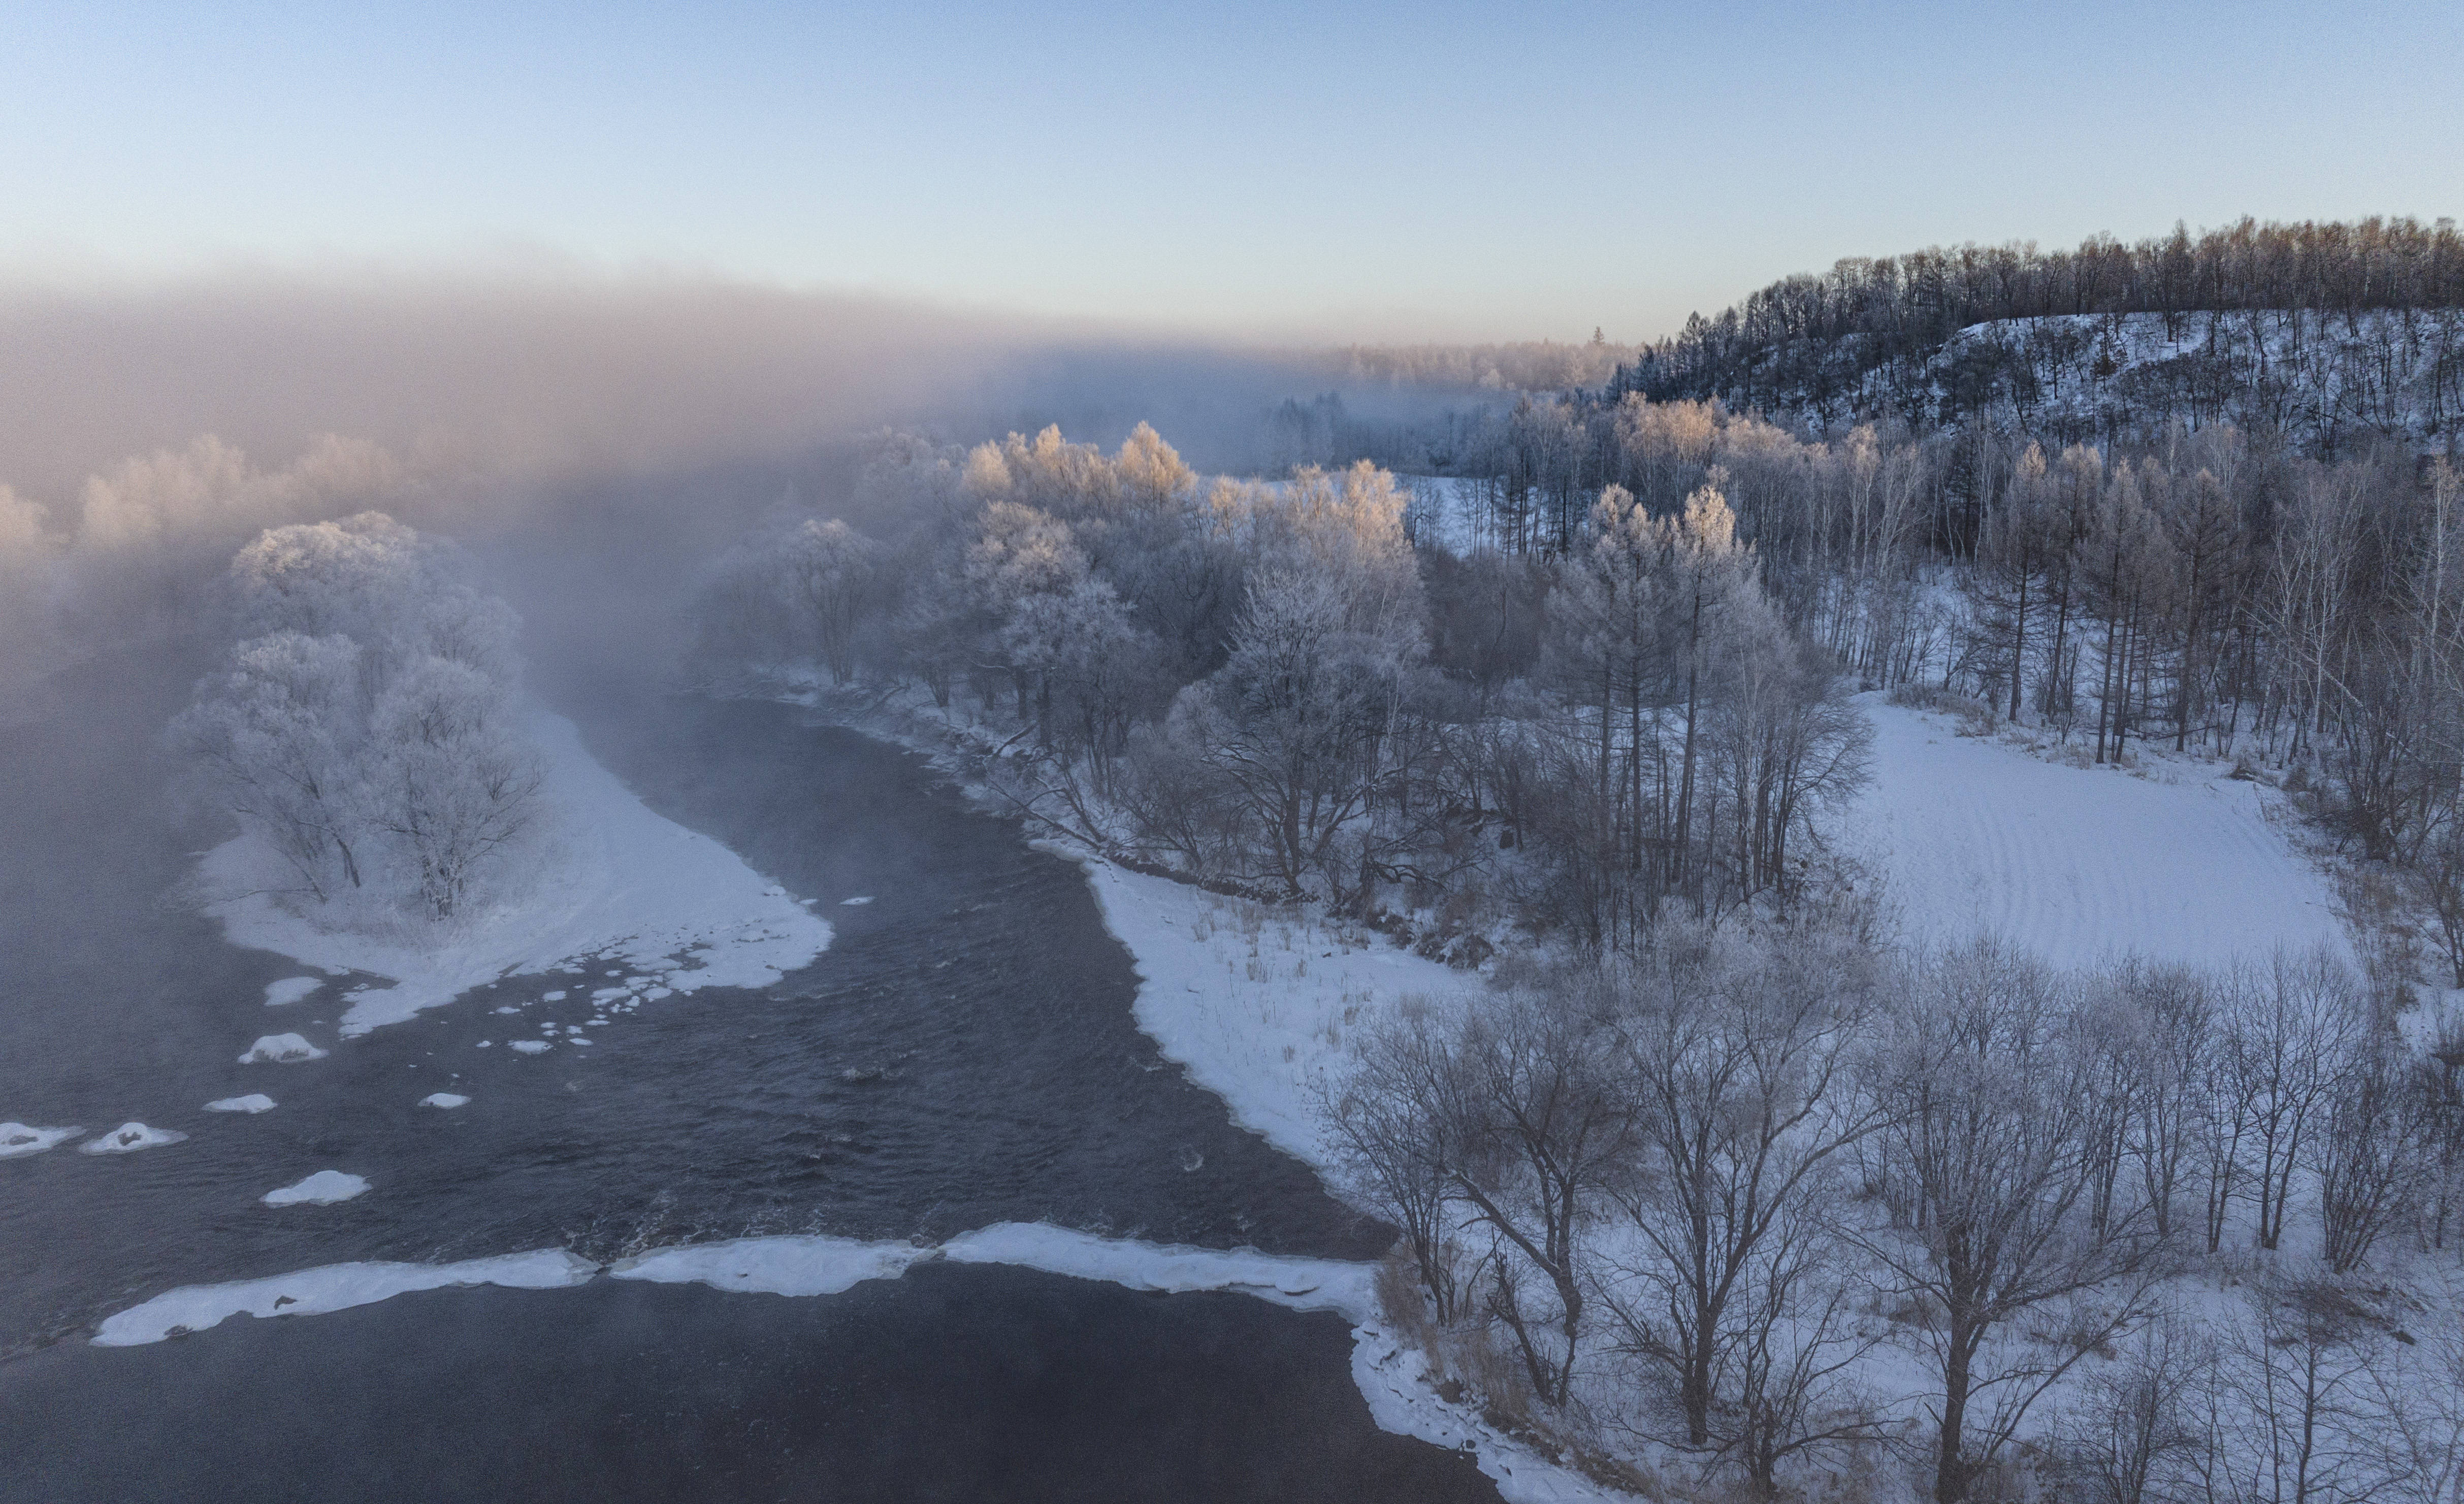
point(1324, 171)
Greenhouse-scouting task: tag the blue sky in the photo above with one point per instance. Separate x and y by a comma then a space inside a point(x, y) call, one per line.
point(1347, 169)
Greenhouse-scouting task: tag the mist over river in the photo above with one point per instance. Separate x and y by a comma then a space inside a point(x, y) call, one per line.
point(963, 1054)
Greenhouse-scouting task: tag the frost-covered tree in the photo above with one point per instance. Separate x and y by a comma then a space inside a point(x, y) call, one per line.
point(455, 783)
point(366, 730)
point(829, 572)
point(282, 736)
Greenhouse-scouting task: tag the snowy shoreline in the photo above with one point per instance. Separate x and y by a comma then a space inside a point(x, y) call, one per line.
point(620, 882)
point(1399, 1399)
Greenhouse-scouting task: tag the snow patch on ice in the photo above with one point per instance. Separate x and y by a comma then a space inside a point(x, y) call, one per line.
point(335, 1286)
point(254, 1102)
point(128, 1138)
point(281, 1049)
point(320, 1190)
point(16, 1140)
point(443, 1099)
point(625, 884)
point(780, 1266)
point(290, 989)
point(2079, 863)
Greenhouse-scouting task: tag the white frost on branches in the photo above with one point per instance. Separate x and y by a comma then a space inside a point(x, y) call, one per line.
point(364, 729)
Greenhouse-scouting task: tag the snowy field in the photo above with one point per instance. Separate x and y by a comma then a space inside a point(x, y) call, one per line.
point(621, 883)
point(2078, 863)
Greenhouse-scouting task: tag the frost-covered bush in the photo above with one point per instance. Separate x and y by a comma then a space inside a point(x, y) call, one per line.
point(364, 730)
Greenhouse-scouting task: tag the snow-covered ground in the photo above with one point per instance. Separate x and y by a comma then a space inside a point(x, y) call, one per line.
point(1257, 1003)
point(2079, 863)
point(2183, 863)
point(619, 881)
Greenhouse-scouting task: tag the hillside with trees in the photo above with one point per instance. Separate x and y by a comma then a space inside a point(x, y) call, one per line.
point(2330, 333)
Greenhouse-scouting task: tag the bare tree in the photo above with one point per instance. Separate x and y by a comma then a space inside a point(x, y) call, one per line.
point(1398, 1139)
point(1989, 1102)
point(2291, 1028)
point(2135, 1437)
point(1738, 1058)
point(1544, 1132)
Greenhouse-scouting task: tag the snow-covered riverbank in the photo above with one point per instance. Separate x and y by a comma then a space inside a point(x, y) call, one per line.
point(619, 881)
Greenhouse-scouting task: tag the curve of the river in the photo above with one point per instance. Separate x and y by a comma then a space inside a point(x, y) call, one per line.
point(963, 1054)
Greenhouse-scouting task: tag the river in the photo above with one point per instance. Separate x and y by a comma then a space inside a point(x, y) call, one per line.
point(963, 1054)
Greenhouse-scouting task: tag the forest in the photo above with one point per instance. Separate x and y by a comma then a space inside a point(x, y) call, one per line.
point(1716, 1177)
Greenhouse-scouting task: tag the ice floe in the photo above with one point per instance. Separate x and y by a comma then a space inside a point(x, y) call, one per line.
point(16, 1140)
point(128, 1138)
point(320, 1190)
point(281, 1049)
point(530, 1046)
point(290, 989)
point(1305, 1284)
point(254, 1102)
point(443, 1099)
point(334, 1287)
point(780, 1266)
point(854, 902)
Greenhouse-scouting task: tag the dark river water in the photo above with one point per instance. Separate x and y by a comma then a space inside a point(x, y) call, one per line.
point(963, 1054)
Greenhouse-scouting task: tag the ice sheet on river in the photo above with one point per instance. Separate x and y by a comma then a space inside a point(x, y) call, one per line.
point(623, 883)
point(335, 1286)
point(1304, 1284)
point(780, 1266)
point(1389, 1372)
